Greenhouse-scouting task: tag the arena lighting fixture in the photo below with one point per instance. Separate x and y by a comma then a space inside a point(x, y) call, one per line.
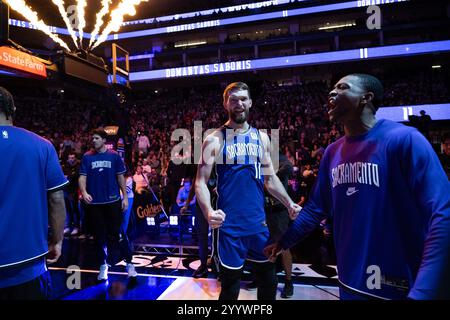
point(173, 220)
point(437, 66)
point(336, 26)
point(151, 221)
point(221, 22)
point(189, 44)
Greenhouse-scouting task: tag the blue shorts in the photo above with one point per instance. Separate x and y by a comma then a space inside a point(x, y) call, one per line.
point(233, 251)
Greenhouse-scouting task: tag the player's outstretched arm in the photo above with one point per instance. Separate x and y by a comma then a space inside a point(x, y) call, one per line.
point(273, 183)
point(210, 149)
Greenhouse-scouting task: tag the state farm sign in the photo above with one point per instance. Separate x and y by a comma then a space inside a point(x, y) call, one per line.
point(21, 61)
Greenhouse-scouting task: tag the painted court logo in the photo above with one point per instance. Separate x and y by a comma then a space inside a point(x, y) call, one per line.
point(5, 134)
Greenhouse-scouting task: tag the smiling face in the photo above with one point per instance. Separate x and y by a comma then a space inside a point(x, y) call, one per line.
point(345, 100)
point(238, 104)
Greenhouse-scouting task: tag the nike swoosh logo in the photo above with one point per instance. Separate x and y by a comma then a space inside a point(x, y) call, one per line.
point(350, 192)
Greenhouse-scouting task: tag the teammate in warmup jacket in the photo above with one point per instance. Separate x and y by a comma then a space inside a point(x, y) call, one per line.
point(384, 190)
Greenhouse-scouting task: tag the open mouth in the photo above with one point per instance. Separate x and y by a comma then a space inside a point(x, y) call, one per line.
point(331, 104)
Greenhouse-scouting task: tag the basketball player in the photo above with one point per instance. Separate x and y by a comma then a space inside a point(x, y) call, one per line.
point(101, 176)
point(387, 195)
point(239, 152)
point(31, 183)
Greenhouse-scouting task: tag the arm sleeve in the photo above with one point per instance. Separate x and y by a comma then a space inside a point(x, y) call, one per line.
point(54, 174)
point(120, 166)
point(83, 166)
point(431, 190)
point(315, 210)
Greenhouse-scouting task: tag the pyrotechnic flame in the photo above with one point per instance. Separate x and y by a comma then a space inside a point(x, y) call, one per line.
point(63, 13)
point(21, 7)
point(126, 7)
point(81, 5)
point(99, 20)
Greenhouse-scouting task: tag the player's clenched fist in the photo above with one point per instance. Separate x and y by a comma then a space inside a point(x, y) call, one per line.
point(216, 218)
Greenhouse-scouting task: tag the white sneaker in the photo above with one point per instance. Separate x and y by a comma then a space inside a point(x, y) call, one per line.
point(131, 270)
point(74, 232)
point(103, 273)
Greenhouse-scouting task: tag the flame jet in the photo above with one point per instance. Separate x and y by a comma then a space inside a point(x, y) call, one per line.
point(81, 5)
point(126, 7)
point(63, 13)
point(21, 7)
point(99, 20)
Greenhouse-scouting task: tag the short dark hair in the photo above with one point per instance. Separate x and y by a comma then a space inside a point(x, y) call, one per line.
point(6, 103)
point(235, 86)
point(372, 84)
point(101, 132)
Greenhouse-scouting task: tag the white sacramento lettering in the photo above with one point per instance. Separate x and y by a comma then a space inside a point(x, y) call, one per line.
point(356, 172)
point(244, 149)
point(101, 164)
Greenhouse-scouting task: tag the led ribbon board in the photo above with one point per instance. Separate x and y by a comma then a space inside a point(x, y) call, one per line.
point(402, 113)
point(221, 22)
point(251, 18)
point(294, 61)
point(203, 13)
point(52, 29)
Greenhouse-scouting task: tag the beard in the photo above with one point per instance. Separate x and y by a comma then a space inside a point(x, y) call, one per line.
point(239, 118)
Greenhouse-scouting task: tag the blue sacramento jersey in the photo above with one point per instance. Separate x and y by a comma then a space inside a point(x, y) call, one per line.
point(389, 201)
point(101, 170)
point(29, 170)
point(240, 184)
